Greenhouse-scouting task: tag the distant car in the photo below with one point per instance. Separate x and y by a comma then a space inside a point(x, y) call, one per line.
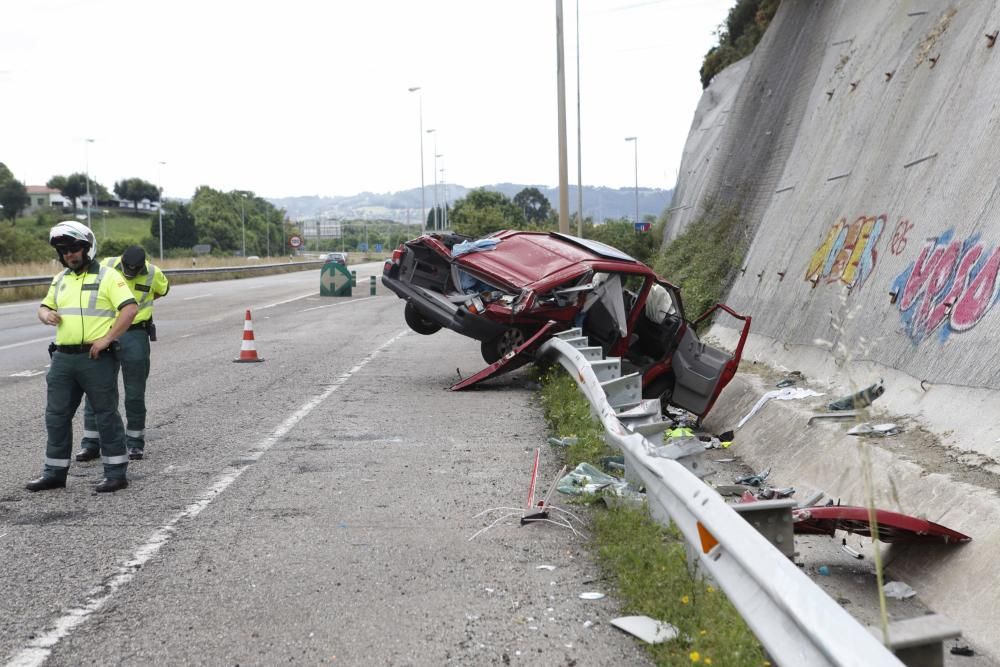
point(336, 258)
point(513, 290)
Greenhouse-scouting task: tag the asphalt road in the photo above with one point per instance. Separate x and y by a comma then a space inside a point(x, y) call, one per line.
point(312, 508)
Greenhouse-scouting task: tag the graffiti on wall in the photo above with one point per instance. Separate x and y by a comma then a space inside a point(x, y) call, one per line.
point(949, 287)
point(849, 252)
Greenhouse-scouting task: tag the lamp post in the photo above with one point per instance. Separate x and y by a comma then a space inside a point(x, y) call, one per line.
point(433, 131)
point(86, 166)
point(635, 146)
point(161, 210)
point(243, 218)
point(423, 205)
point(444, 184)
point(579, 141)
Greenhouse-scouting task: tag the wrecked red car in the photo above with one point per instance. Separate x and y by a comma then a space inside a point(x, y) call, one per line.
point(513, 290)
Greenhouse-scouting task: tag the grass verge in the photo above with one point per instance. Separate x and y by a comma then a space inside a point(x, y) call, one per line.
point(644, 560)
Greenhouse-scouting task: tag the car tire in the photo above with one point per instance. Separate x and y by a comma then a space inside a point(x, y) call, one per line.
point(493, 350)
point(418, 322)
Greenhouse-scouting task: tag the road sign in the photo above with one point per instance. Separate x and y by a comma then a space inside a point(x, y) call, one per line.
point(335, 280)
point(295, 241)
point(378, 247)
point(642, 226)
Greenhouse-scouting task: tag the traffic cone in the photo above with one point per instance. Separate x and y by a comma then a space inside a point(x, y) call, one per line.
point(247, 350)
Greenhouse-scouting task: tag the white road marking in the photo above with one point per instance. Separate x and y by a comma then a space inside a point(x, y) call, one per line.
point(37, 651)
point(26, 342)
point(339, 303)
point(26, 374)
point(279, 303)
point(192, 298)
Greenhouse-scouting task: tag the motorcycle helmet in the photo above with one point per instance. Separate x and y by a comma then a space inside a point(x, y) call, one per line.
point(70, 233)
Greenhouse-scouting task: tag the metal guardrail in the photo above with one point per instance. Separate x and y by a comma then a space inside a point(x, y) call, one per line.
point(40, 281)
point(794, 619)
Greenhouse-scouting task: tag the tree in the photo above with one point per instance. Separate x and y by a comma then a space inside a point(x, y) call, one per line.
point(179, 229)
point(533, 204)
point(14, 198)
point(135, 190)
point(75, 186)
point(483, 212)
point(5, 173)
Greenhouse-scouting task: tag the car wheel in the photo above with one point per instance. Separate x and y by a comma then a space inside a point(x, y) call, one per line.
point(493, 350)
point(418, 322)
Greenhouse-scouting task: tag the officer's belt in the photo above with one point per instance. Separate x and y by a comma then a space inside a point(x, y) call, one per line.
point(73, 349)
point(140, 325)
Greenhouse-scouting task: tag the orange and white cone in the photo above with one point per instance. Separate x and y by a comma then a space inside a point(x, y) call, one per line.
point(248, 352)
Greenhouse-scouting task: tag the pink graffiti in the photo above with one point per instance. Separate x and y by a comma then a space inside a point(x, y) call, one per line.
point(941, 286)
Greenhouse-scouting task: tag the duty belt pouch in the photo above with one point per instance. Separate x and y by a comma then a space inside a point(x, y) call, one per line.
point(114, 349)
point(52, 349)
point(151, 330)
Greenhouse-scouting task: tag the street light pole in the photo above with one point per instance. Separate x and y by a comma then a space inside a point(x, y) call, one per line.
point(433, 131)
point(161, 210)
point(243, 218)
point(444, 184)
point(86, 161)
point(423, 204)
point(579, 141)
point(635, 146)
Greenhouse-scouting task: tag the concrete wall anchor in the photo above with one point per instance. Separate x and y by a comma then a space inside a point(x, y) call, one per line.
point(888, 75)
point(934, 60)
point(781, 276)
point(854, 85)
point(991, 39)
point(829, 95)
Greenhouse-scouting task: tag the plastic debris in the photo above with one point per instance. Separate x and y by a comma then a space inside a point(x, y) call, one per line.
point(647, 629)
point(897, 590)
point(875, 430)
point(562, 442)
point(753, 480)
point(824, 570)
point(546, 567)
point(613, 462)
point(955, 650)
point(585, 479)
point(851, 552)
point(786, 394)
point(860, 399)
point(769, 493)
point(593, 595)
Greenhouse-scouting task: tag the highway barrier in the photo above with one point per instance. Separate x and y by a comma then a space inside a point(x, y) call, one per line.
point(39, 281)
point(795, 620)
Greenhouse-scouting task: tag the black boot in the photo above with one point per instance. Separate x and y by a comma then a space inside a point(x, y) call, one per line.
point(111, 485)
point(44, 483)
point(87, 455)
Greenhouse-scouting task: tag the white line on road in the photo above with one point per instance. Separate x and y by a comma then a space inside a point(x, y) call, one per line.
point(37, 651)
point(340, 303)
point(279, 303)
point(197, 296)
point(26, 374)
point(26, 342)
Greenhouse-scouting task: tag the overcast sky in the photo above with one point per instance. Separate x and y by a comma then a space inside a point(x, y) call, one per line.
point(303, 97)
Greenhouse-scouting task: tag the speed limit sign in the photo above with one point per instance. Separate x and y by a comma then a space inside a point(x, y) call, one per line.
point(295, 241)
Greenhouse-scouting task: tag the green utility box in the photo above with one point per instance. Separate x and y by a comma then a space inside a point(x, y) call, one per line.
point(335, 280)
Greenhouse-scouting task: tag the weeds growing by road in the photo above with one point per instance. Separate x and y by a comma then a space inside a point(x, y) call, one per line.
point(646, 561)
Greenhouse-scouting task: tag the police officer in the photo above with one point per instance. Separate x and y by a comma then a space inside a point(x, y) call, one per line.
point(147, 282)
point(81, 303)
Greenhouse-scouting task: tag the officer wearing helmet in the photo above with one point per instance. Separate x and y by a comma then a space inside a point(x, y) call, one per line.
point(146, 282)
point(90, 305)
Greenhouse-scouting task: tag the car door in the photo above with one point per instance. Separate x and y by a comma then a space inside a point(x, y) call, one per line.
point(701, 371)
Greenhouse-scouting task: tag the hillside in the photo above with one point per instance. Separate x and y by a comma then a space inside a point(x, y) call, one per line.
point(404, 206)
point(857, 142)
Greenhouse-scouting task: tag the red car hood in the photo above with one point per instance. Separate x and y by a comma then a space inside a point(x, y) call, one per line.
point(524, 259)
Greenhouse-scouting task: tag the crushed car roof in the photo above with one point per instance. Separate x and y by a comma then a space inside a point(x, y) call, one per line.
point(540, 254)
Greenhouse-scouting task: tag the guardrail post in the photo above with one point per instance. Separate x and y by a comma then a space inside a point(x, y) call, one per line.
point(354, 278)
point(773, 520)
point(919, 641)
point(371, 285)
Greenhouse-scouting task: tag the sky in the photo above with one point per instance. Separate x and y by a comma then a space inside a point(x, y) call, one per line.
point(302, 97)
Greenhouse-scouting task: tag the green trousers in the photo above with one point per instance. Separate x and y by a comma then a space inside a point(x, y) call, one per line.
point(134, 359)
point(70, 377)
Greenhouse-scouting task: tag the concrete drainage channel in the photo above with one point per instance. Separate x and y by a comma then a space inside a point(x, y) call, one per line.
point(795, 620)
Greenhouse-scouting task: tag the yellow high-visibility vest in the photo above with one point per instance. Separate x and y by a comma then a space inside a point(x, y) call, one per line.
point(149, 283)
point(87, 303)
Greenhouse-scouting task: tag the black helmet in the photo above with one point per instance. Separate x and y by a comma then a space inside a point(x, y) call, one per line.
point(133, 261)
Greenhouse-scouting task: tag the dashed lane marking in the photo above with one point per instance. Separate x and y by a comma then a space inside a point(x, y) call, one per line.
point(37, 651)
